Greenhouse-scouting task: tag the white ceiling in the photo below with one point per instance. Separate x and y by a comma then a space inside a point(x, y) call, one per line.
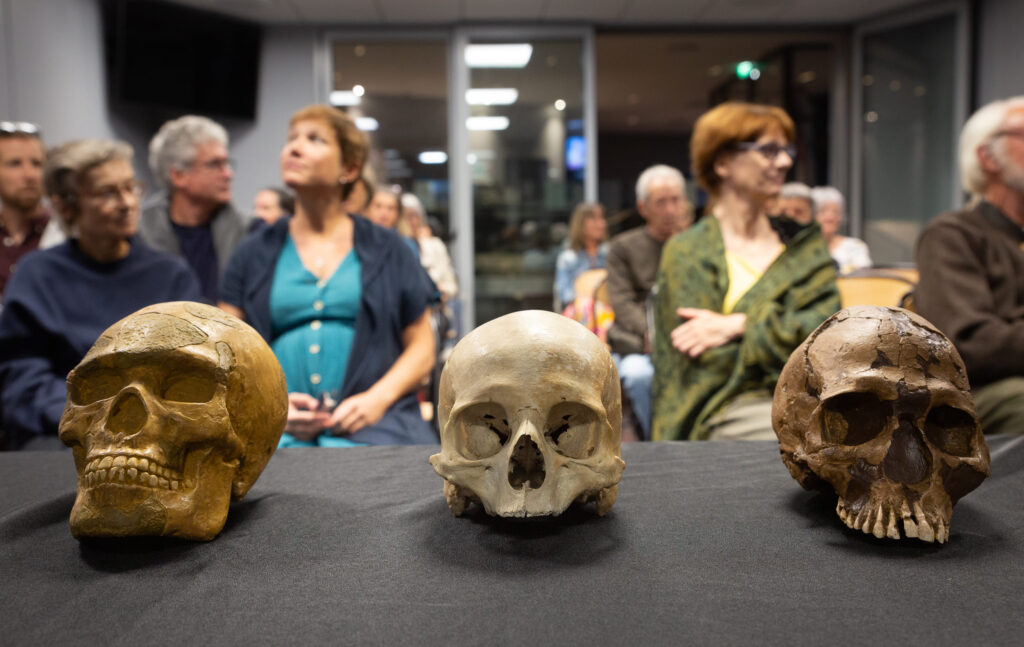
point(611, 13)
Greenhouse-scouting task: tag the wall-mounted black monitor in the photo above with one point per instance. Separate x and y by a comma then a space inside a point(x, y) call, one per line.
point(177, 59)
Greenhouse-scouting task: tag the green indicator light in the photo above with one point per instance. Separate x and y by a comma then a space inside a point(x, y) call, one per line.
point(743, 69)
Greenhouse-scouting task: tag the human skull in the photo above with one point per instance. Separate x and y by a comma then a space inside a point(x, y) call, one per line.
point(173, 413)
point(531, 418)
point(875, 405)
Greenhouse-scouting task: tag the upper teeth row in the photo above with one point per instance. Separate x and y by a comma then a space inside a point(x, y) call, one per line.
point(142, 464)
point(874, 522)
point(129, 475)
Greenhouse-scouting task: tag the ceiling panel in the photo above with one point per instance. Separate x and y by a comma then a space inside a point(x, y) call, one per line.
point(797, 12)
point(399, 12)
point(606, 11)
point(332, 12)
point(660, 12)
point(602, 12)
point(513, 10)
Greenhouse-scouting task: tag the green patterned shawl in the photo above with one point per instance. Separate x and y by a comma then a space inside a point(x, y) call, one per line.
point(794, 296)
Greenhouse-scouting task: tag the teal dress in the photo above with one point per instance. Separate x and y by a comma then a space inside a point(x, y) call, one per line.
point(313, 323)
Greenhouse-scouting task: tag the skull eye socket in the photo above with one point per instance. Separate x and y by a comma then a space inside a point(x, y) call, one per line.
point(484, 430)
point(188, 387)
point(950, 429)
point(854, 418)
point(573, 430)
point(95, 385)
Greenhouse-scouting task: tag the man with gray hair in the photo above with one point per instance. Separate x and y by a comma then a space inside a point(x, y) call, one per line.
point(193, 216)
point(633, 259)
point(971, 264)
point(796, 202)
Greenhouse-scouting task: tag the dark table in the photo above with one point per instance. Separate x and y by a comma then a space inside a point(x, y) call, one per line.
point(708, 543)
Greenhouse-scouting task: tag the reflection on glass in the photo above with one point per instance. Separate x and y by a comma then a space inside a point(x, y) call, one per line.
point(397, 91)
point(646, 118)
point(908, 137)
point(527, 155)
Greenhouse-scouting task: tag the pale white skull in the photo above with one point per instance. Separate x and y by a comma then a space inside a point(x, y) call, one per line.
point(173, 413)
point(531, 418)
point(876, 406)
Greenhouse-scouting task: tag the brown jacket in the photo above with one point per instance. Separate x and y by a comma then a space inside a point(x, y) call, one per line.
point(633, 258)
point(972, 287)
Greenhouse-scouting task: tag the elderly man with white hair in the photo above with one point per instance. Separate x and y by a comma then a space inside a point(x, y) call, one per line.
point(972, 265)
point(633, 258)
point(193, 217)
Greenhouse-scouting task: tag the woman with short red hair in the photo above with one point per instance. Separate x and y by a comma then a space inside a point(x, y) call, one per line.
point(739, 290)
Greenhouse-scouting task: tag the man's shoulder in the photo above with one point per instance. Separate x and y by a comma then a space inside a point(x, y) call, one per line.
point(628, 238)
point(228, 212)
point(970, 223)
point(965, 218)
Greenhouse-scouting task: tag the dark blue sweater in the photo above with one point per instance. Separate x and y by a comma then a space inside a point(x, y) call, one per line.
point(56, 305)
point(395, 293)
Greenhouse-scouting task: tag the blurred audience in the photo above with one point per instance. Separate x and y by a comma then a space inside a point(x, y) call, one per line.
point(193, 216)
point(586, 250)
point(849, 253)
point(748, 288)
point(336, 298)
point(23, 218)
point(433, 252)
point(61, 299)
point(385, 209)
point(971, 264)
point(632, 260)
point(359, 196)
point(270, 204)
point(795, 202)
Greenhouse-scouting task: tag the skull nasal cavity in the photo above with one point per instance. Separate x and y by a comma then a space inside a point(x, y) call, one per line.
point(908, 460)
point(526, 466)
point(128, 415)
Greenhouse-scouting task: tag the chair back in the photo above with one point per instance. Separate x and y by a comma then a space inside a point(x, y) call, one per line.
point(880, 287)
point(587, 283)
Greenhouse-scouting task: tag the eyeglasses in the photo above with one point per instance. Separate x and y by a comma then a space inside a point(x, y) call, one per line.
point(19, 128)
point(1008, 133)
point(216, 164)
point(112, 193)
point(770, 150)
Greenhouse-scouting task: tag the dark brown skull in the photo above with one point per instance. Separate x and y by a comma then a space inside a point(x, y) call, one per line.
point(173, 412)
point(875, 405)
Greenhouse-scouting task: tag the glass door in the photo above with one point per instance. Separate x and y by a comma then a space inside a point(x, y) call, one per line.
point(396, 89)
point(910, 99)
point(528, 160)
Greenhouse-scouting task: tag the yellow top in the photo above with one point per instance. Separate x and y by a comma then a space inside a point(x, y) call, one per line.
point(742, 277)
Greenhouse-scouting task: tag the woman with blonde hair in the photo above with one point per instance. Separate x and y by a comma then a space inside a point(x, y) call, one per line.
point(587, 250)
point(342, 302)
point(747, 288)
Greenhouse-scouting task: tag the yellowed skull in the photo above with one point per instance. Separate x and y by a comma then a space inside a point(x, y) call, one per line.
point(173, 413)
point(875, 405)
point(531, 415)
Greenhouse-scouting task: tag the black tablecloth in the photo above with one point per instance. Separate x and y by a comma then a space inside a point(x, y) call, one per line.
point(708, 543)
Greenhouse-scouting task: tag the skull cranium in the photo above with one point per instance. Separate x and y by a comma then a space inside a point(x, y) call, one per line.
point(531, 415)
point(876, 406)
point(173, 413)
